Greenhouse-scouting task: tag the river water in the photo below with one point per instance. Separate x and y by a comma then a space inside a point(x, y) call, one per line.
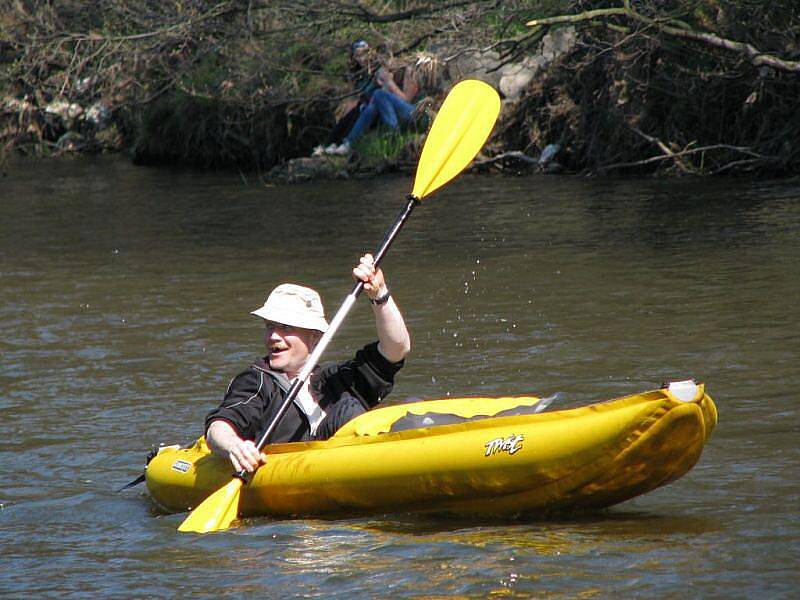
point(124, 300)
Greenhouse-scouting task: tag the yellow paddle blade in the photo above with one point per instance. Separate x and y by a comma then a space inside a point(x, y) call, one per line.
point(462, 126)
point(217, 511)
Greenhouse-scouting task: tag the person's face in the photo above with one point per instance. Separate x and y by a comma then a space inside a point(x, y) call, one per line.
point(288, 347)
point(361, 55)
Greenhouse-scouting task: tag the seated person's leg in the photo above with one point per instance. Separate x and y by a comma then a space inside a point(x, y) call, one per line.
point(365, 120)
point(394, 111)
point(383, 100)
point(403, 109)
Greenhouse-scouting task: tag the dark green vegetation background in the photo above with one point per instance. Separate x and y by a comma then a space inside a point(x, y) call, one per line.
point(666, 86)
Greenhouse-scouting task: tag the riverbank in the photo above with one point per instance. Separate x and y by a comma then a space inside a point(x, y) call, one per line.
point(592, 89)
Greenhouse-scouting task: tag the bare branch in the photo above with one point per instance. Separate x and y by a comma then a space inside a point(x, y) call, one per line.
point(357, 10)
point(756, 57)
point(514, 155)
point(216, 11)
point(668, 153)
point(676, 155)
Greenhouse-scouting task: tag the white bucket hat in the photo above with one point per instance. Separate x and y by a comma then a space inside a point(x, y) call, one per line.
point(294, 305)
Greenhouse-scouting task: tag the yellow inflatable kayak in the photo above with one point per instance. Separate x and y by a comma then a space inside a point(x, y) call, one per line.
point(465, 456)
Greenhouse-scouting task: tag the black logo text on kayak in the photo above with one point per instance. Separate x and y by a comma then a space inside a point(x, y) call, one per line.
point(510, 444)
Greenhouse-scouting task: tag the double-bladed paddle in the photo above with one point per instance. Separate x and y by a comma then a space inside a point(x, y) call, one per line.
point(459, 131)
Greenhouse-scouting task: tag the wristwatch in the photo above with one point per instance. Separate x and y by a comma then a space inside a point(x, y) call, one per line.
point(381, 299)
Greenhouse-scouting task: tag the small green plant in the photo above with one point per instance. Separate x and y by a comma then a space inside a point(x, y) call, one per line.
point(384, 146)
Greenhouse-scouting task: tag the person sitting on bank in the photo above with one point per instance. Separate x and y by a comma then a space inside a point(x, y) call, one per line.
point(332, 396)
point(395, 105)
point(362, 72)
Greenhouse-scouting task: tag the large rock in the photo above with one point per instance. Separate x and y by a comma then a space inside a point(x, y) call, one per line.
point(516, 76)
point(557, 43)
point(309, 168)
point(512, 78)
point(476, 65)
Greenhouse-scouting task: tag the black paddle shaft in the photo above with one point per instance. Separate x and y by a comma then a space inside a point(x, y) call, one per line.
point(380, 253)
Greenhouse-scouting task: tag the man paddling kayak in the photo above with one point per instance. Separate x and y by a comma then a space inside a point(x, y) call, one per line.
point(333, 395)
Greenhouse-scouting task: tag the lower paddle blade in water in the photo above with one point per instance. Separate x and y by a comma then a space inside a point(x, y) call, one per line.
point(216, 512)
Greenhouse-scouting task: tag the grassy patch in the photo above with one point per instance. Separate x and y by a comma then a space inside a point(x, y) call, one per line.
point(384, 146)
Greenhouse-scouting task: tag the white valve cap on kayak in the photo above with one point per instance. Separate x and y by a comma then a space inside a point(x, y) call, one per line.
point(684, 391)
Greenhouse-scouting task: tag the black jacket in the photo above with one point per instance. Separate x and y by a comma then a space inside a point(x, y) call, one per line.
point(254, 396)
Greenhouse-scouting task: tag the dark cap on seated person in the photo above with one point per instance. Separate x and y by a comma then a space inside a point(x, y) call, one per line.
point(359, 45)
